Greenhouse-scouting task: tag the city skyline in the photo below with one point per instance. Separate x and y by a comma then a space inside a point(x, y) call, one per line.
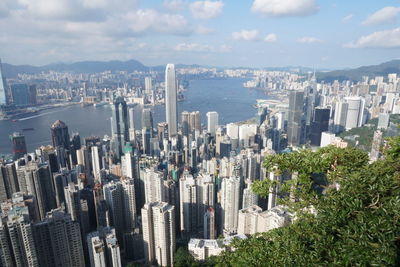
point(321, 34)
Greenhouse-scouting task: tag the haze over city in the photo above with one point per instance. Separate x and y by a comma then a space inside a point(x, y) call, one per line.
point(261, 33)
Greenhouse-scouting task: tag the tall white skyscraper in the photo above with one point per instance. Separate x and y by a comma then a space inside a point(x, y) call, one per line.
point(148, 85)
point(212, 122)
point(230, 195)
point(170, 100)
point(103, 248)
point(96, 163)
point(355, 112)
point(158, 219)
point(3, 98)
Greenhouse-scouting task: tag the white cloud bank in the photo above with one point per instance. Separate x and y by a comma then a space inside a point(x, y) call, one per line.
point(206, 9)
point(385, 15)
point(282, 8)
point(270, 38)
point(309, 40)
point(380, 39)
point(245, 35)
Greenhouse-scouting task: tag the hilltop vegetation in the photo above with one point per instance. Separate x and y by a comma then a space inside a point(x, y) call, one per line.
point(352, 220)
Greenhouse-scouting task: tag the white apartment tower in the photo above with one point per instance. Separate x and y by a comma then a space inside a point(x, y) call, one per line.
point(230, 196)
point(158, 219)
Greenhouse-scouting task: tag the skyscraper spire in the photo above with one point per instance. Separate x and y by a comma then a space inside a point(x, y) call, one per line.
point(3, 96)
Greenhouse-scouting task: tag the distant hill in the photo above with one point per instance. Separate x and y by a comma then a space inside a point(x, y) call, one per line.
point(383, 69)
point(11, 71)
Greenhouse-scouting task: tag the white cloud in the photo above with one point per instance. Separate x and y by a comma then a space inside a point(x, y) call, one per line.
point(385, 15)
point(175, 5)
point(270, 38)
point(206, 9)
point(347, 18)
point(204, 30)
point(150, 20)
point(245, 35)
point(281, 8)
point(201, 48)
point(309, 40)
point(381, 39)
point(193, 47)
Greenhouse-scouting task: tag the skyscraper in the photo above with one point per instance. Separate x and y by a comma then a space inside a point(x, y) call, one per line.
point(195, 121)
point(65, 238)
point(171, 100)
point(18, 145)
point(20, 94)
point(295, 118)
point(120, 126)
point(188, 203)
point(212, 122)
point(185, 122)
point(3, 95)
point(319, 124)
point(158, 219)
point(230, 198)
point(60, 135)
point(340, 117)
point(355, 112)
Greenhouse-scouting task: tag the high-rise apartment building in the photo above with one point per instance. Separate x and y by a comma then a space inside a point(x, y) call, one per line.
point(18, 145)
point(230, 198)
point(60, 135)
point(188, 203)
point(158, 219)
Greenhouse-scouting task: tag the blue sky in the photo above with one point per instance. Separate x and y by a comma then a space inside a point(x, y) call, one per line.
point(255, 33)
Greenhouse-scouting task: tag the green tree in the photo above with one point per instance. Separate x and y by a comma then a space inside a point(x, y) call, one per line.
point(356, 218)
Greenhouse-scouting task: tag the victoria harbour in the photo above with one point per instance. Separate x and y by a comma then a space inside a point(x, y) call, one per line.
point(226, 96)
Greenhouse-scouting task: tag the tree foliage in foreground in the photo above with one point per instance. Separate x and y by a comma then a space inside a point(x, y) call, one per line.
point(356, 220)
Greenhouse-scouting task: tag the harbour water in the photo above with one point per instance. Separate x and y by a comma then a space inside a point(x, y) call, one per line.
point(228, 97)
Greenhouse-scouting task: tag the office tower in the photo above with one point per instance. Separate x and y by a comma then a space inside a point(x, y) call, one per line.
point(32, 93)
point(20, 94)
point(188, 203)
point(100, 206)
point(195, 121)
point(185, 123)
point(158, 219)
point(249, 197)
point(355, 112)
point(230, 198)
point(3, 86)
point(75, 146)
point(64, 235)
point(60, 135)
point(153, 184)
point(210, 231)
point(340, 117)
point(232, 131)
point(40, 184)
point(132, 133)
point(383, 120)
point(120, 127)
point(20, 234)
point(171, 89)
point(103, 248)
point(319, 124)
point(96, 163)
point(376, 145)
point(18, 145)
point(147, 119)
point(247, 220)
point(148, 85)
point(212, 122)
point(295, 127)
point(261, 115)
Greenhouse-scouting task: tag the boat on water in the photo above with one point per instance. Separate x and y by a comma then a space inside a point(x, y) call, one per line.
point(28, 129)
point(99, 104)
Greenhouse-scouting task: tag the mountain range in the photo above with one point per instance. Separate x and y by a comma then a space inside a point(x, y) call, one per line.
point(11, 71)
